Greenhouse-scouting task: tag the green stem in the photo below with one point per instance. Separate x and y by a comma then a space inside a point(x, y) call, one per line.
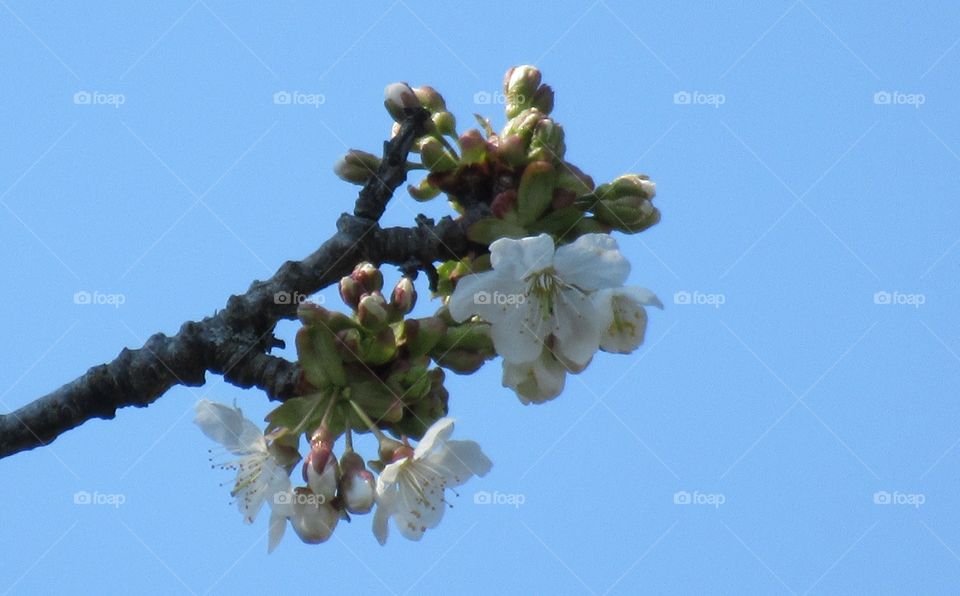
point(366, 420)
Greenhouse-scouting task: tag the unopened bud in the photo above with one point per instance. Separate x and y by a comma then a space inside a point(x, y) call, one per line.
point(357, 486)
point(424, 191)
point(368, 276)
point(350, 291)
point(627, 214)
point(504, 203)
point(391, 450)
point(398, 96)
point(512, 149)
point(547, 142)
point(378, 348)
point(357, 166)
point(421, 335)
point(313, 518)
point(473, 147)
point(445, 123)
point(372, 311)
point(543, 99)
point(628, 185)
point(519, 85)
point(404, 296)
point(435, 156)
point(430, 98)
point(320, 470)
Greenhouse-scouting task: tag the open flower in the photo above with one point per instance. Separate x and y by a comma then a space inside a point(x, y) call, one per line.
point(536, 291)
point(260, 474)
point(411, 489)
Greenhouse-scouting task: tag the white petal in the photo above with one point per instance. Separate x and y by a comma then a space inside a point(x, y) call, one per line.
point(380, 518)
point(435, 437)
point(520, 336)
point(591, 262)
point(537, 381)
point(278, 526)
point(521, 257)
point(578, 328)
point(474, 295)
point(459, 461)
point(226, 425)
point(625, 317)
point(418, 510)
point(314, 523)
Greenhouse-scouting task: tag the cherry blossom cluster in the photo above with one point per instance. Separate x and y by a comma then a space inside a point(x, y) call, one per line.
point(542, 287)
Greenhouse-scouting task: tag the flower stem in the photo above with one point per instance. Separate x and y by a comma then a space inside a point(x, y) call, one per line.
point(366, 420)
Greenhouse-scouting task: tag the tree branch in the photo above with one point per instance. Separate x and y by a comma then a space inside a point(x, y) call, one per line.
point(235, 342)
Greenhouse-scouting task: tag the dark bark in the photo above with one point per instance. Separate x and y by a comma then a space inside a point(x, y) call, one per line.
point(235, 342)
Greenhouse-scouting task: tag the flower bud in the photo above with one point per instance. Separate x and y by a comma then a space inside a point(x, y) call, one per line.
point(430, 98)
point(543, 99)
point(357, 166)
point(547, 142)
point(523, 124)
point(638, 185)
point(350, 291)
point(398, 96)
point(519, 85)
point(348, 344)
point(368, 276)
point(313, 518)
point(445, 123)
point(461, 362)
point(404, 296)
point(357, 488)
point(473, 147)
point(627, 214)
point(372, 311)
point(320, 470)
point(512, 149)
point(572, 178)
point(435, 156)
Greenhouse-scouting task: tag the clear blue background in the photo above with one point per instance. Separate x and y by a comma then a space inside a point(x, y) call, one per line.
point(793, 202)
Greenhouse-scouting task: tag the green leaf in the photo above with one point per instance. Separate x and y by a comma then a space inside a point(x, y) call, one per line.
point(536, 191)
point(487, 230)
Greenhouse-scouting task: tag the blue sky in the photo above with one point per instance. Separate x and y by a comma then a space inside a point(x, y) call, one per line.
point(799, 389)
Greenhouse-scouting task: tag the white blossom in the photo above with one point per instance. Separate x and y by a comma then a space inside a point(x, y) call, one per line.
point(260, 476)
point(411, 490)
